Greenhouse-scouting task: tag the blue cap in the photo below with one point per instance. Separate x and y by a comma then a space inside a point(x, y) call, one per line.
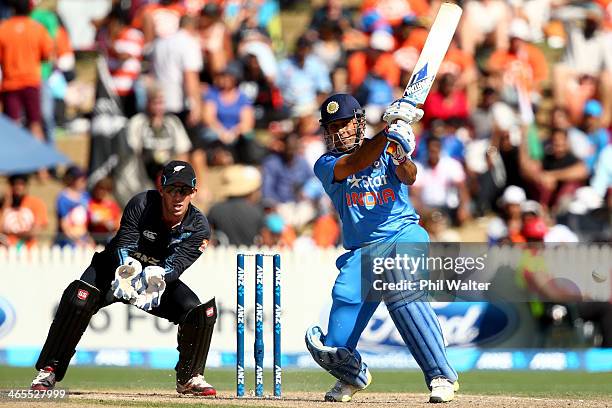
point(275, 223)
point(339, 106)
point(593, 108)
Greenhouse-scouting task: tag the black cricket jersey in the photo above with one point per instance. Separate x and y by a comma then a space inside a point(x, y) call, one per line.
point(143, 235)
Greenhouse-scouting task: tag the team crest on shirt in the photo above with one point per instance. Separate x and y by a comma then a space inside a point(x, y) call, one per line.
point(332, 107)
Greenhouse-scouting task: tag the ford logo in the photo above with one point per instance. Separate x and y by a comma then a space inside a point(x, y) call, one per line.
point(7, 317)
point(463, 324)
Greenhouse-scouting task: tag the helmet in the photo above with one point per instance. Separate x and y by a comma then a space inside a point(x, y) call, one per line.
point(337, 107)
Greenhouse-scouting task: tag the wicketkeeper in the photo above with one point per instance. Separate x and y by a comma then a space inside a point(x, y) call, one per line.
point(161, 235)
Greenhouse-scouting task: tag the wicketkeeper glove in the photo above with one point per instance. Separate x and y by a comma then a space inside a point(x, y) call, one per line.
point(402, 109)
point(149, 296)
point(127, 280)
point(402, 141)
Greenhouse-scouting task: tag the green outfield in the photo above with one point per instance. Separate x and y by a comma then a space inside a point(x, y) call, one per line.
point(540, 384)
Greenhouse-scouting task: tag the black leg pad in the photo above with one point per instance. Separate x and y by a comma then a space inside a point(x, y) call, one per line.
point(78, 304)
point(194, 337)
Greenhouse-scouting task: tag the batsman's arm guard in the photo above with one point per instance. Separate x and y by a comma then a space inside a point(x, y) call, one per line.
point(194, 336)
point(78, 304)
point(342, 363)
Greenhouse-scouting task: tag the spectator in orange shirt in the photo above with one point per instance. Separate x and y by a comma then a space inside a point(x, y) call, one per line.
point(376, 59)
point(26, 215)
point(522, 65)
point(103, 212)
point(24, 44)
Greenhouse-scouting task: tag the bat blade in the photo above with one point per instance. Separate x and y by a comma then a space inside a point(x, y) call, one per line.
point(436, 45)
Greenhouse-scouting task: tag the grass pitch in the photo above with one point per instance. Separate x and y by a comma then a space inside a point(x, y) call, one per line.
point(155, 388)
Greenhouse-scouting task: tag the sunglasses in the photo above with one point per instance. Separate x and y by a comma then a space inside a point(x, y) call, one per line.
point(181, 190)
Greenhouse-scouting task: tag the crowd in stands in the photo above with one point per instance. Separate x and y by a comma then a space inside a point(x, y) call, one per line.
point(517, 126)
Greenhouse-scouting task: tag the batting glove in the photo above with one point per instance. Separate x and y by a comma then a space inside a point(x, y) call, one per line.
point(402, 109)
point(127, 280)
point(154, 286)
point(402, 142)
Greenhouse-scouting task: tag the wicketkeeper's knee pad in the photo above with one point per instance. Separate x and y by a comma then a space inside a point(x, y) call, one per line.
point(79, 302)
point(342, 363)
point(194, 337)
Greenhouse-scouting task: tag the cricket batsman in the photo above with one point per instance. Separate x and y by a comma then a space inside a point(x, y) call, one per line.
point(369, 189)
point(160, 236)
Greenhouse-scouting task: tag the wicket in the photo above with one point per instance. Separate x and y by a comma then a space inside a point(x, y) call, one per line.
point(259, 312)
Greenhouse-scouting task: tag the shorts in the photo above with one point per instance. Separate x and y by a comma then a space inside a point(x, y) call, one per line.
point(26, 99)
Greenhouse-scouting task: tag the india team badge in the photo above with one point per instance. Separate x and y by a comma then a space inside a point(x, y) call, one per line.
point(332, 107)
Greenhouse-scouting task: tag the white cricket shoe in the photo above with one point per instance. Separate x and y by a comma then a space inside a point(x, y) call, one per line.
point(196, 385)
point(442, 390)
point(45, 380)
point(343, 392)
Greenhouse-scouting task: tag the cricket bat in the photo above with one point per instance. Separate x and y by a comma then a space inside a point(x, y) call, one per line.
point(437, 43)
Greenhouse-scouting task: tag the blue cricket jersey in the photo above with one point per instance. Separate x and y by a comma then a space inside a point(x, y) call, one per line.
point(373, 204)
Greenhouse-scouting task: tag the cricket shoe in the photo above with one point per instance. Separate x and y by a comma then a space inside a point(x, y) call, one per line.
point(196, 385)
point(343, 392)
point(45, 380)
point(442, 390)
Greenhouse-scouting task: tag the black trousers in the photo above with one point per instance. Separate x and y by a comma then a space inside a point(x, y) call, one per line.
point(174, 305)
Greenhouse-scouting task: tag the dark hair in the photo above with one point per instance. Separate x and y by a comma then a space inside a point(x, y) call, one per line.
point(21, 7)
point(120, 15)
point(13, 178)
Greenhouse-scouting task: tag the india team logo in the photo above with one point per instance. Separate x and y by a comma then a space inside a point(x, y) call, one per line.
point(332, 107)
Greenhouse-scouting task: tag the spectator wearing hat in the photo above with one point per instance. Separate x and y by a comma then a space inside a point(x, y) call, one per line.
point(238, 218)
point(276, 232)
point(71, 209)
point(522, 65)
point(509, 205)
point(377, 59)
point(25, 216)
point(20, 62)
point(441, 184)
point(229, 118)
point(590, 137)
point(303, 80)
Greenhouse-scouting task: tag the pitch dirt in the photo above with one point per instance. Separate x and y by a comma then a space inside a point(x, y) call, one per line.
point(298, 399)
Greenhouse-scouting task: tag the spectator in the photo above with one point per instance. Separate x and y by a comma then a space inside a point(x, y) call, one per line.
point(159, 20)
point(276, 233)
point(441, 184)
point(587, 60)
point(263, 92)
point(21, 66)
point(448, 101)
point(238, 218)
point(229, 118)
point(522, 65)
point(303, 80)
point(395, 11)
point(329, 49)
point(155, 137)
point(215, 40)
point(71, 207)
point(332, 13)
point(103, 212)
point(590, 138)
point(560, 172)
point(284, 177)
point(64, 73)
point(25, 217)
point(123, 46)
point(50, 21)
point(484, 25)
point(602, 178)
point(376, 59)
point(510, 213)
point(176, 65)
